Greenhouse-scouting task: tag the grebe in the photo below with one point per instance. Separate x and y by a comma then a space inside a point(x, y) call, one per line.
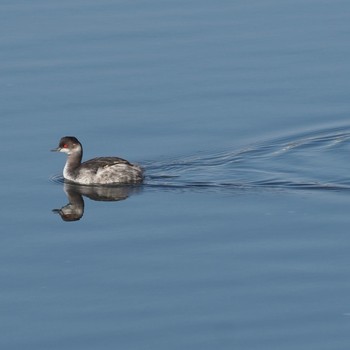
point(99, 171)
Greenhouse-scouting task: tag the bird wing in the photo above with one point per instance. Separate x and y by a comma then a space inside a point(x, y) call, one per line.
point(103, 162)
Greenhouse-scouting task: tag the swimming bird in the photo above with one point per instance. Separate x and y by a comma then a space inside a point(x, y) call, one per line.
point(96, 171)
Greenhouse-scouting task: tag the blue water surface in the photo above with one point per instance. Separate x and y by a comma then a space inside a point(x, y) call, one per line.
point(239, 113)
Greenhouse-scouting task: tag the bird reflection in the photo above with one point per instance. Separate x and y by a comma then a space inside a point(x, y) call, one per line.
point(74, 210)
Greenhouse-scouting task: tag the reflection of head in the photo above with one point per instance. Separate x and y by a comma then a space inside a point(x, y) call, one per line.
point(74, 210)
point(70, 213)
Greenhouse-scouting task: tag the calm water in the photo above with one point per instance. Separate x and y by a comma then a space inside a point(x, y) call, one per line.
point(239, 112)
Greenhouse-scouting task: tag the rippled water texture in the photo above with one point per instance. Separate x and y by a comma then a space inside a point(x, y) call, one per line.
point(313, 160)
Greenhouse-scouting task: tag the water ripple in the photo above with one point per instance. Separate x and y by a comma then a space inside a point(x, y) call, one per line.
point(304, 161)
point(58, 179)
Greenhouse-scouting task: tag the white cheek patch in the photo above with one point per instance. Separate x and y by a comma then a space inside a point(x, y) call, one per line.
point(64, 150)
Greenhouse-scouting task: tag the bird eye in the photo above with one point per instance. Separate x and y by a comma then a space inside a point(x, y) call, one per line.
point(65, 145)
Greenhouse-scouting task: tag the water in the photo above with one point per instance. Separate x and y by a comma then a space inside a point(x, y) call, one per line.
point(238, 112)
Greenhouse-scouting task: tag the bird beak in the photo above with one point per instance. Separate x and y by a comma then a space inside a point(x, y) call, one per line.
point(56, 149)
